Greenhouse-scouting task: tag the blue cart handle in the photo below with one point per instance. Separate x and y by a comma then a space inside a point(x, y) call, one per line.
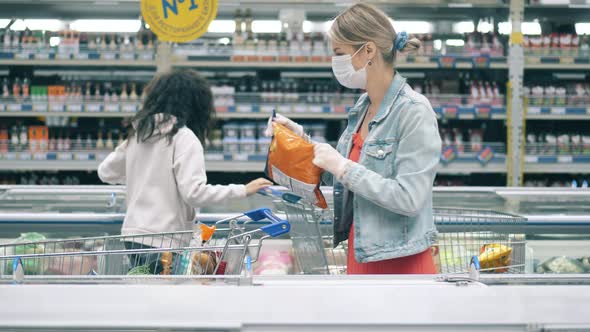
point(288, 197)
point(277, 227)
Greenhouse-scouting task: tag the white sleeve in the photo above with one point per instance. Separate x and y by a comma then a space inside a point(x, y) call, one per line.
point(189, 171)
point(112, 169)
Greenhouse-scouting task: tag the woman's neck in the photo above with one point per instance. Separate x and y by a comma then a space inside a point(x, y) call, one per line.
point(378, 84)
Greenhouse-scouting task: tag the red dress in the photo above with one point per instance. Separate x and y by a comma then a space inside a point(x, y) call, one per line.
point(421, 263)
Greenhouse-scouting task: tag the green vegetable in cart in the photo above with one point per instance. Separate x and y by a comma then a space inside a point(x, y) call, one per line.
point(140, 270)
point(30, 265)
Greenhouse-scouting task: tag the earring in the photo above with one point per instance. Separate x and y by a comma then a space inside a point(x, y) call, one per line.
point(370, 62)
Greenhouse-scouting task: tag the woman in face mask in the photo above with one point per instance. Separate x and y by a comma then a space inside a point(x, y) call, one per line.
point(384, 166)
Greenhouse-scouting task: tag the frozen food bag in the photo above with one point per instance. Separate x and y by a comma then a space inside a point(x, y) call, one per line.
point(495, 256)
point(289, 164)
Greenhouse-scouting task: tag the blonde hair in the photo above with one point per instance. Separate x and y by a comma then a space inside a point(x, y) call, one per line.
point(361, 23)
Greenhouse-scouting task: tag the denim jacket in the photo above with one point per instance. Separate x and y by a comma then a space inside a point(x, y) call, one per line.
point(388, 193)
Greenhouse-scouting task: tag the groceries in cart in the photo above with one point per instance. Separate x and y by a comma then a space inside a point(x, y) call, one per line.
point(495, 257)
point(562, 265)
point(290, 164)
point(226, 248)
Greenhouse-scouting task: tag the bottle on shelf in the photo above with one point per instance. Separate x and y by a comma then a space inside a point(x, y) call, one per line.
point(89, 144)
point(109, 145)
point(124, 96)
point(97, 95)
point(16, 88)
point(60, 142)
point(99, 141)
point(133, 94)
point(5, 89)
point(14, 139)
point(26, 88)
point(23, 138)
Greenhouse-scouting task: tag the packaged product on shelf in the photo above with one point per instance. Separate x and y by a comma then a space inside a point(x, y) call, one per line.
point(248, 146)
point(216, 143)
point(231, 130)
point(549, 95)
point(263, 145)
point(537, 93)
point(476, 139)
point(586, 144)
point(563, 144)
point(274, 263)
point(38, 138)
point(531, 147)
point(560, 96)
point(458, 142)
point(248, 130)
point(289, 163)
point(3, 140)
point(231, 145)
point(550, 144)
point(576, 144)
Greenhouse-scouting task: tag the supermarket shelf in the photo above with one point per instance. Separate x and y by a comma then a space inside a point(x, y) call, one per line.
point(223, 166)
point(233, 64)
point(305, 115)
point(557, 164)
point(79, 63)
point(471, 167)
point(557, 62)
point(558, 113)
point(49, 165)
point(69, 114)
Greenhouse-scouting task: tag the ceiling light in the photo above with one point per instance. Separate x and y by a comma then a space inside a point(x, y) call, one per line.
point(106, 25)
point(527, 28)
point(266, 26)
point(455, 42)
point(463, 27)
point(222, 26)
point(583, 28)
point(413, 26)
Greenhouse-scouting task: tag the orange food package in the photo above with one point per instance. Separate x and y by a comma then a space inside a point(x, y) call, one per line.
point(289, 164)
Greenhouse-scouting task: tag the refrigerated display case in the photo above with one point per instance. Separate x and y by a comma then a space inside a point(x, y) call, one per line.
point(556, 227)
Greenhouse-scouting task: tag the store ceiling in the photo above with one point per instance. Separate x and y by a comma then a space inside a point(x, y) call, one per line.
point(268, 9)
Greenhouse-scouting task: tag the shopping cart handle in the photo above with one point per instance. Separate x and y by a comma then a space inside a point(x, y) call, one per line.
point(276, 228)
point(289, 197)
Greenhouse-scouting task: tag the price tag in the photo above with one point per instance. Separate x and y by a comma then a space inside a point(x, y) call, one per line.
point(129, 107)
point(244, 108)
point(565, 159)
point(240, 157)
point(558, 110)
point(75, 108)
point(109, 56)
point(82, 156)
point(284, 109)
point(42, 56)
point(214, 157)
point(267, 108)
point(2, 107)
point(38, 107)
point(316, 109)
point(100, 156)
point(93, 107)
point(299, 108)
point(481, 62)
point(112, 108)
point(446, 62)
point(14, 107)
point(483, 112)
point(81, 56)
point(63, 56)
point(450, 112)
point(24, 156)
point(534, 110)
point(531, 159)
point(64, 156)
point(56, 107)
point(10, 156)
point(566, 60)
point(127, 56)
point(533, 60)
point(147, 56)
point(40, 156)
point(22, 56)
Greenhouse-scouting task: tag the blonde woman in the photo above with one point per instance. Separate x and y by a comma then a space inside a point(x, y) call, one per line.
point(384, 166)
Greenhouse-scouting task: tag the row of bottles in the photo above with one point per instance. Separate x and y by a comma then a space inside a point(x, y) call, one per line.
point(105, 91)
point(25, 138)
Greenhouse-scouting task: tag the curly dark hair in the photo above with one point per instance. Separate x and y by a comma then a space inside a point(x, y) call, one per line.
point(183, 94)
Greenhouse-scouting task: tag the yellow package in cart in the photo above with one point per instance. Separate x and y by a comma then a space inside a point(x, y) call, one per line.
point(495, 256)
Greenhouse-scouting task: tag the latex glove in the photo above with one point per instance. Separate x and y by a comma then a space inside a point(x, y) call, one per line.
point(327, 158)
point(291, 125)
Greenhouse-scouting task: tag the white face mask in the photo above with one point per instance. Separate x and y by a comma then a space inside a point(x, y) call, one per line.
point(345, 72)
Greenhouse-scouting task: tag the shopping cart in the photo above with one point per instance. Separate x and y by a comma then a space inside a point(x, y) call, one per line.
point(222, 249)
point(489, 241)
point(311, 235)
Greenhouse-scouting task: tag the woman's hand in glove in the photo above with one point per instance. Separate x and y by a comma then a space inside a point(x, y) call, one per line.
point(327, 158)
point(290, 124)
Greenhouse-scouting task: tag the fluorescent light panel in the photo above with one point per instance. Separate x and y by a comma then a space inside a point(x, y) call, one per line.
point(583, 28)
point(463, 27)
point(413, 26)
point(129, 26)
point(527, 28)
point(455, 42)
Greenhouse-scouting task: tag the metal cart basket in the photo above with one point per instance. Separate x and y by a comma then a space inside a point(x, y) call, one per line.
point(491, 238)
point(220, 249)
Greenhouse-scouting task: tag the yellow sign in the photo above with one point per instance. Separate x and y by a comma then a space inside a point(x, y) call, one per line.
point(179, 20)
